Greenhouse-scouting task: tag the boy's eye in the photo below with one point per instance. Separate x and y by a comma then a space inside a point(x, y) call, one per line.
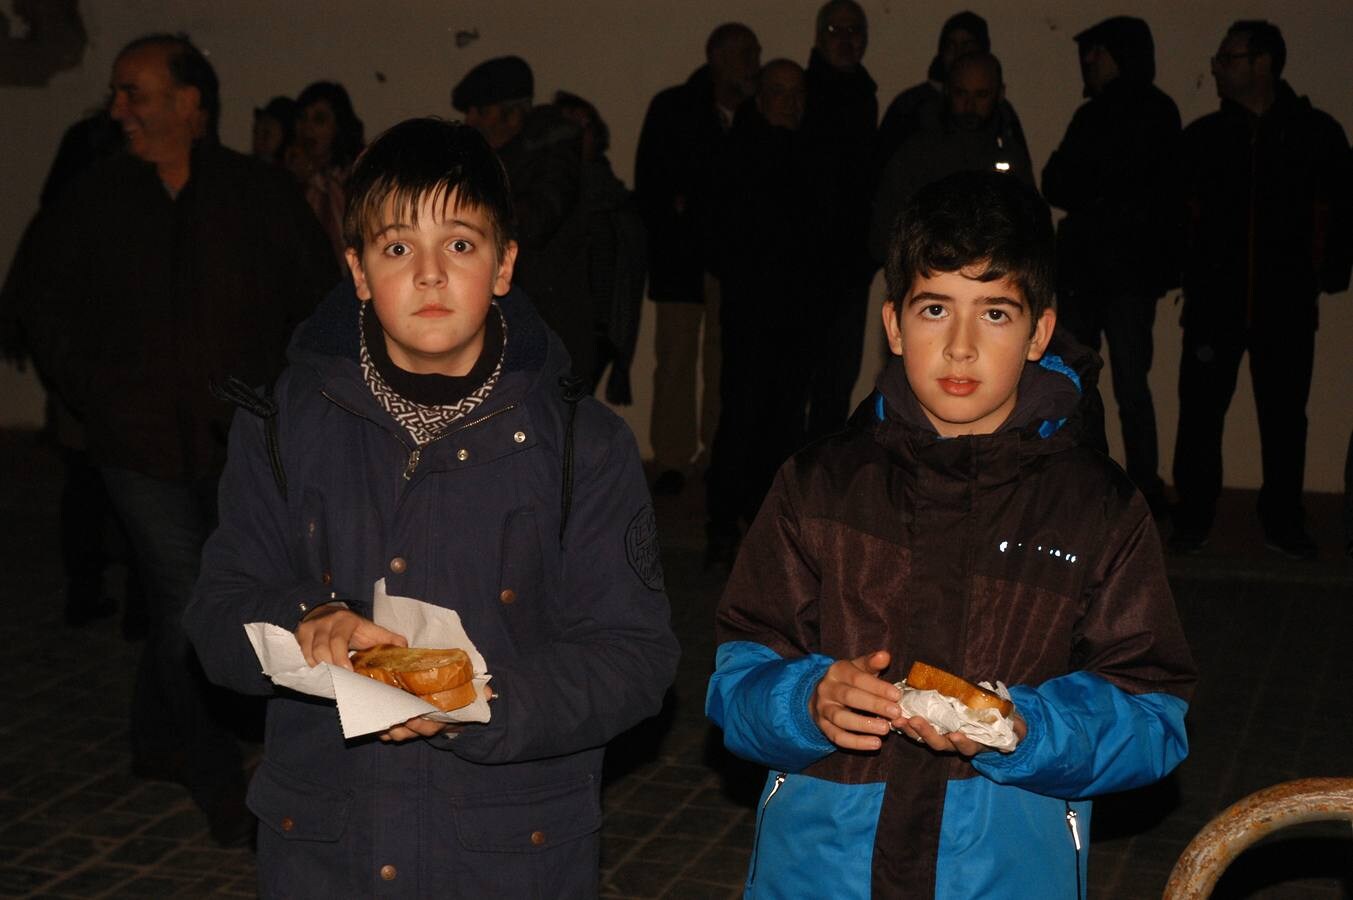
point(460, 245)
point(998, 315)
point(397, 249)
point(933, 311)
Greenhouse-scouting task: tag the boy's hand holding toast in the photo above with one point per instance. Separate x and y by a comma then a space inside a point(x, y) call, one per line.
point(856, 709)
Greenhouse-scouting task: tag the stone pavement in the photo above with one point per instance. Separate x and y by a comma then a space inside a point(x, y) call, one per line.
point(1271, 638)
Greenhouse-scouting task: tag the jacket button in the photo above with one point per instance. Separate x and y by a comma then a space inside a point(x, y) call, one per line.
point(519, 437)
point(398, 565)
point(389, 872)
point(288, 823)
point(537, 837)
point(508, 596)
point(327, 578)
point(462, 454)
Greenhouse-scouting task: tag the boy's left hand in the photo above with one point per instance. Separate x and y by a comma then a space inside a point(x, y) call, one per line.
point(425, 728)
point(919, 729)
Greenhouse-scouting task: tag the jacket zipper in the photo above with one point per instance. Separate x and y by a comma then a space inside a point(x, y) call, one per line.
point(760, 820)
point(416, 453)
point(1071, 824)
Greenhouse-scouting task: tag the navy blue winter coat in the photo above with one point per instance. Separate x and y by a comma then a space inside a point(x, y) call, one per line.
point(574, 628)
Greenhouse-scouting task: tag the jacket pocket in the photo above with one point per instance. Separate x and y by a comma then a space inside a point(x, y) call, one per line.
point(314, 538)
point(297, 809)
point(528, 821)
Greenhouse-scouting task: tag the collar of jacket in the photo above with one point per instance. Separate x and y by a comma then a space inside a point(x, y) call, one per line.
point(329, 342)
point(1286, 105)
point(1048, 395)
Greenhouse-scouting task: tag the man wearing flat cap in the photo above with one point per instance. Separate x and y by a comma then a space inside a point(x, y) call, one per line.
point(542, 152)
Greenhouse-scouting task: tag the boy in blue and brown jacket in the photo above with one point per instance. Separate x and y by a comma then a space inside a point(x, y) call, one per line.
point(957, 522)
point(421, 437)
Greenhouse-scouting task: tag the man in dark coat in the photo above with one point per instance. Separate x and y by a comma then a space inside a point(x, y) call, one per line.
point(162, 272)
point(921, 106)
point(1116, 175)
point(841, 122)
point(542, 152)
point(772, 209)
point(680, 145)
point(1267, 185)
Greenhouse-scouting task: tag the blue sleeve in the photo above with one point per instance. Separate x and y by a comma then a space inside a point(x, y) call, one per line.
point(760, 700)
point(1088, 737)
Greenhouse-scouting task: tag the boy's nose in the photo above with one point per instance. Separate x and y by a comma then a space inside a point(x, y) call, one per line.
point(430, 275)
point(961, 346)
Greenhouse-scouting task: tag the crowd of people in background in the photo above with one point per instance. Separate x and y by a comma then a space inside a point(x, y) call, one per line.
point(764, 197)
point(1248, 210)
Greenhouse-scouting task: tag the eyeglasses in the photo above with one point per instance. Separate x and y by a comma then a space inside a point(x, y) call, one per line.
point(1222, 59)
point(845, 30)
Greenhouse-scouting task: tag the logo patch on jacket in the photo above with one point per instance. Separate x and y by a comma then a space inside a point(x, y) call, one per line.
point(641, 549)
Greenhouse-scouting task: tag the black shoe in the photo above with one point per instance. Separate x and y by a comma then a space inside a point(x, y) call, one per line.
point(1294, 543)
point(1187, 541)
point(229, 820)
point(669, 483)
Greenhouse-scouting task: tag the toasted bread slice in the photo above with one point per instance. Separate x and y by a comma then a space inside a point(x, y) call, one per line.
point(451, 699)
point(925, 677)
point(418, 670)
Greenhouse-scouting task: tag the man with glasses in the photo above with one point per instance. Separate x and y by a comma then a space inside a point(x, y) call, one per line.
point(841, 124)
point(1267, 190)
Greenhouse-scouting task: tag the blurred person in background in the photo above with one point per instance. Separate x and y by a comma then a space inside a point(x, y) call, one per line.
point(328, 138)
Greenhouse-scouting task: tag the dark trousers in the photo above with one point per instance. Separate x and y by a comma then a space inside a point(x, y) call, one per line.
point(177, 717)
point(1126, 323)
point(1280, 369)
point(835, 365)
point(763, 394)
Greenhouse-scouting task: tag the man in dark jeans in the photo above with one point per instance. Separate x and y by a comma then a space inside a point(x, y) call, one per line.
point(160, 272)
point(1115, 173)
point(1267, 186)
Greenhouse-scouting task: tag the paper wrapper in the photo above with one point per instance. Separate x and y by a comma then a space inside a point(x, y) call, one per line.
point(364, 704)
point(985, 726)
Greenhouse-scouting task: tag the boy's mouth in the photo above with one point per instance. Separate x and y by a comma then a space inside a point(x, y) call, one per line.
point(433, 312)
point(959, 387)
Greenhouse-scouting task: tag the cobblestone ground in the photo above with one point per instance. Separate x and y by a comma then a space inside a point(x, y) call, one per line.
point(1271, 638)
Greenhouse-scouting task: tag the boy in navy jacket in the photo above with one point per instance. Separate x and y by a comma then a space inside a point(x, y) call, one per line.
point(422, 436)
point(957, 522)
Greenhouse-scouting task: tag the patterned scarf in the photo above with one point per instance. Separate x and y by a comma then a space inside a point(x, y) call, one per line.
point(425, 422)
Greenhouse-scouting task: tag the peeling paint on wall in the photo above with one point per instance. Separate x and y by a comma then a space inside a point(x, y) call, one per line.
point(48, 37)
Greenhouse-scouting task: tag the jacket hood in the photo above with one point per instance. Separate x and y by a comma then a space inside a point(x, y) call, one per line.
point(1048, 406)
point(1128, 40)
point(331, 339)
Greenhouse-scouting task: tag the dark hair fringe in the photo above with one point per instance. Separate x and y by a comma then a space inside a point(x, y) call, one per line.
point(971, 219)
point(427, 157)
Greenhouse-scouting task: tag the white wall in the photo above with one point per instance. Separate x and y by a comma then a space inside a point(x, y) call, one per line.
point(400, 60)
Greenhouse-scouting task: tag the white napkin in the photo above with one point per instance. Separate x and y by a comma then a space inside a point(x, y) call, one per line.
point(364, 704)
point(985, 726)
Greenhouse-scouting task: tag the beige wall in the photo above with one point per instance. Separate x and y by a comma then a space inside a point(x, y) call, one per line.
point(399, 60)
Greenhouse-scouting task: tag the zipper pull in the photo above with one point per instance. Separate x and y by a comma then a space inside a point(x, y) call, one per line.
point(413, 464)
point(779, 780)
point(1075, 832)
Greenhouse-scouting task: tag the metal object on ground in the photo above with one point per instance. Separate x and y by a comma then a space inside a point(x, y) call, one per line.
point(1251, 819)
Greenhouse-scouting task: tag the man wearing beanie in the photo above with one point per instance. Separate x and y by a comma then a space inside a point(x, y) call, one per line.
point(542, 152)
point(1115, 174)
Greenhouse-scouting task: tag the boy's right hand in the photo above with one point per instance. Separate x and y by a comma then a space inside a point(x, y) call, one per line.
point(852, 705)
point(330, 633)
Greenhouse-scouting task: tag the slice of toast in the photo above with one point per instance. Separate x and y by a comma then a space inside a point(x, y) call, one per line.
point(926, 677)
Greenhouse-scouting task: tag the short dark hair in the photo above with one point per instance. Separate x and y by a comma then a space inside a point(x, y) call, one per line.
point(832, 6)
point(726, 34)
point(188, 66)
point(1263, 37)
point(349, 134)
point(975, 219)
point(427, 157)
point(975, 58)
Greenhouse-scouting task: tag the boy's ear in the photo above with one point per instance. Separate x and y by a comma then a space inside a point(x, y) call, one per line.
point(1042, 334)
point(358, 276)
point(502, 283)
point(892, 326)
